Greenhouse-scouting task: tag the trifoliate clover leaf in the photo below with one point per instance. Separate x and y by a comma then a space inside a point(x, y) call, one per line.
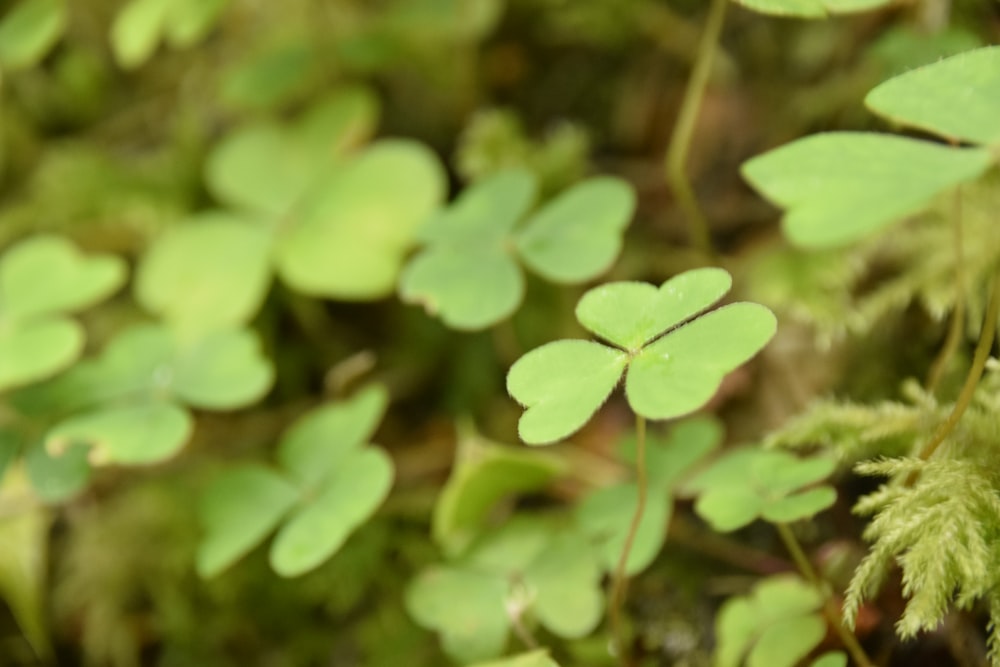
point(209, 272)
point(811, 9)
point(955, 98)
point(562, 384)
point(528, 567)
point(751, 483)
point(841, 187)
point(776, 625)
point(41, 280)
point(468, 272)
point(329, 482)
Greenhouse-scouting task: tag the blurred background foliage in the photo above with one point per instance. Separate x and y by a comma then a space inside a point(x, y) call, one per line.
point(108, 119)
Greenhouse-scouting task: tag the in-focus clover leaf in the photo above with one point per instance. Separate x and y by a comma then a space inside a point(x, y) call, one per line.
point(776, 625)
point(529, 565)
point(751, 483)
point(538, 658)
point(329, 483)
point(840, 187)
point(954, 98)
point(42, 279)
point(484, 474)
point(209, 272)
point(811, 9)
point(266, 168)
point(563, 383)
point(141, 24)
point(29, 31)
point(349, 240)
point(468, 272)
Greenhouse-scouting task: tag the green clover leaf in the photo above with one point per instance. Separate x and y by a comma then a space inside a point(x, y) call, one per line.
point(811, 9)
point(538, 658)
point(563, 383)
point(327, 484)
point(841, 187)
point(751, 483)
point(42, 279)
point(141, 24)
point(468, 273)
point(776, 625)
point(954, 98)
point(209, 272)
point(528, 565)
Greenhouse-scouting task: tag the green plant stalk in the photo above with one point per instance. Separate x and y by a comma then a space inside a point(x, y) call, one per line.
point(680, 140)
point(979, 358)
point(954, 336)
point(619, 583)
point(833, 615)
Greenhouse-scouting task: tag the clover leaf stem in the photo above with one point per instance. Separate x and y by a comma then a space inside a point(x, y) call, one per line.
point(620, 582)
point(833, 614)
point(979, 358)
point(680, 140)
point(954, 336)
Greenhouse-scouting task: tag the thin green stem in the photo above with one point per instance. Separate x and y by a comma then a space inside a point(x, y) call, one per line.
point(680, 141)
point(954, 336)
point(619, 584)
point(979, 358)
point(833, 615)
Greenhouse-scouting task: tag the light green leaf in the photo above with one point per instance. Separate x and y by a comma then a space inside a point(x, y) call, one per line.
point(681, 372)
point(800, 505)
point(512, 547)
point(349, 497)
point(534, 659)
point(238, 510)
point(136, 31)
point(484, 474)
point(831, 659)
point(562, 384)
point(465, 607)
point(606, 515)
point(23, 560)
point(208, 273)
point(781, 472)
point(566, 579)
point(810, 9)
point(843, 186)
point(669, 460)
point(47, 274)
point(191, 20)
point(57, 478)
point(316, 443)
point(222, 370)
point(469, 289)
point(485, 213)
point(146, 432)
point(352, 236)
point(729, 509)
point(630, 314)
point(955, 98)
point(29, 31)
point(578, 235)
point(37, 350)
point(267, 168)
point(784, 644)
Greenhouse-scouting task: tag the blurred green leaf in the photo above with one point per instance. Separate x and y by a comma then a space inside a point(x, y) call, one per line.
point(533, 659)
point(57, 478)
point(37, 350)
point(136, 31)
point(811, 8)
point(484, 474)
point(954, 98)
point(578, 235)
point(843, 186)
point(145, 432)
point(351, 238)
point(29, 31)
point(670, 459)
point(566, 583)
point(207, 273)
point(831, 659)
point(606, 514)
point(191, 20)
point(238, 510)
point(221, 370)
point(350, 495)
